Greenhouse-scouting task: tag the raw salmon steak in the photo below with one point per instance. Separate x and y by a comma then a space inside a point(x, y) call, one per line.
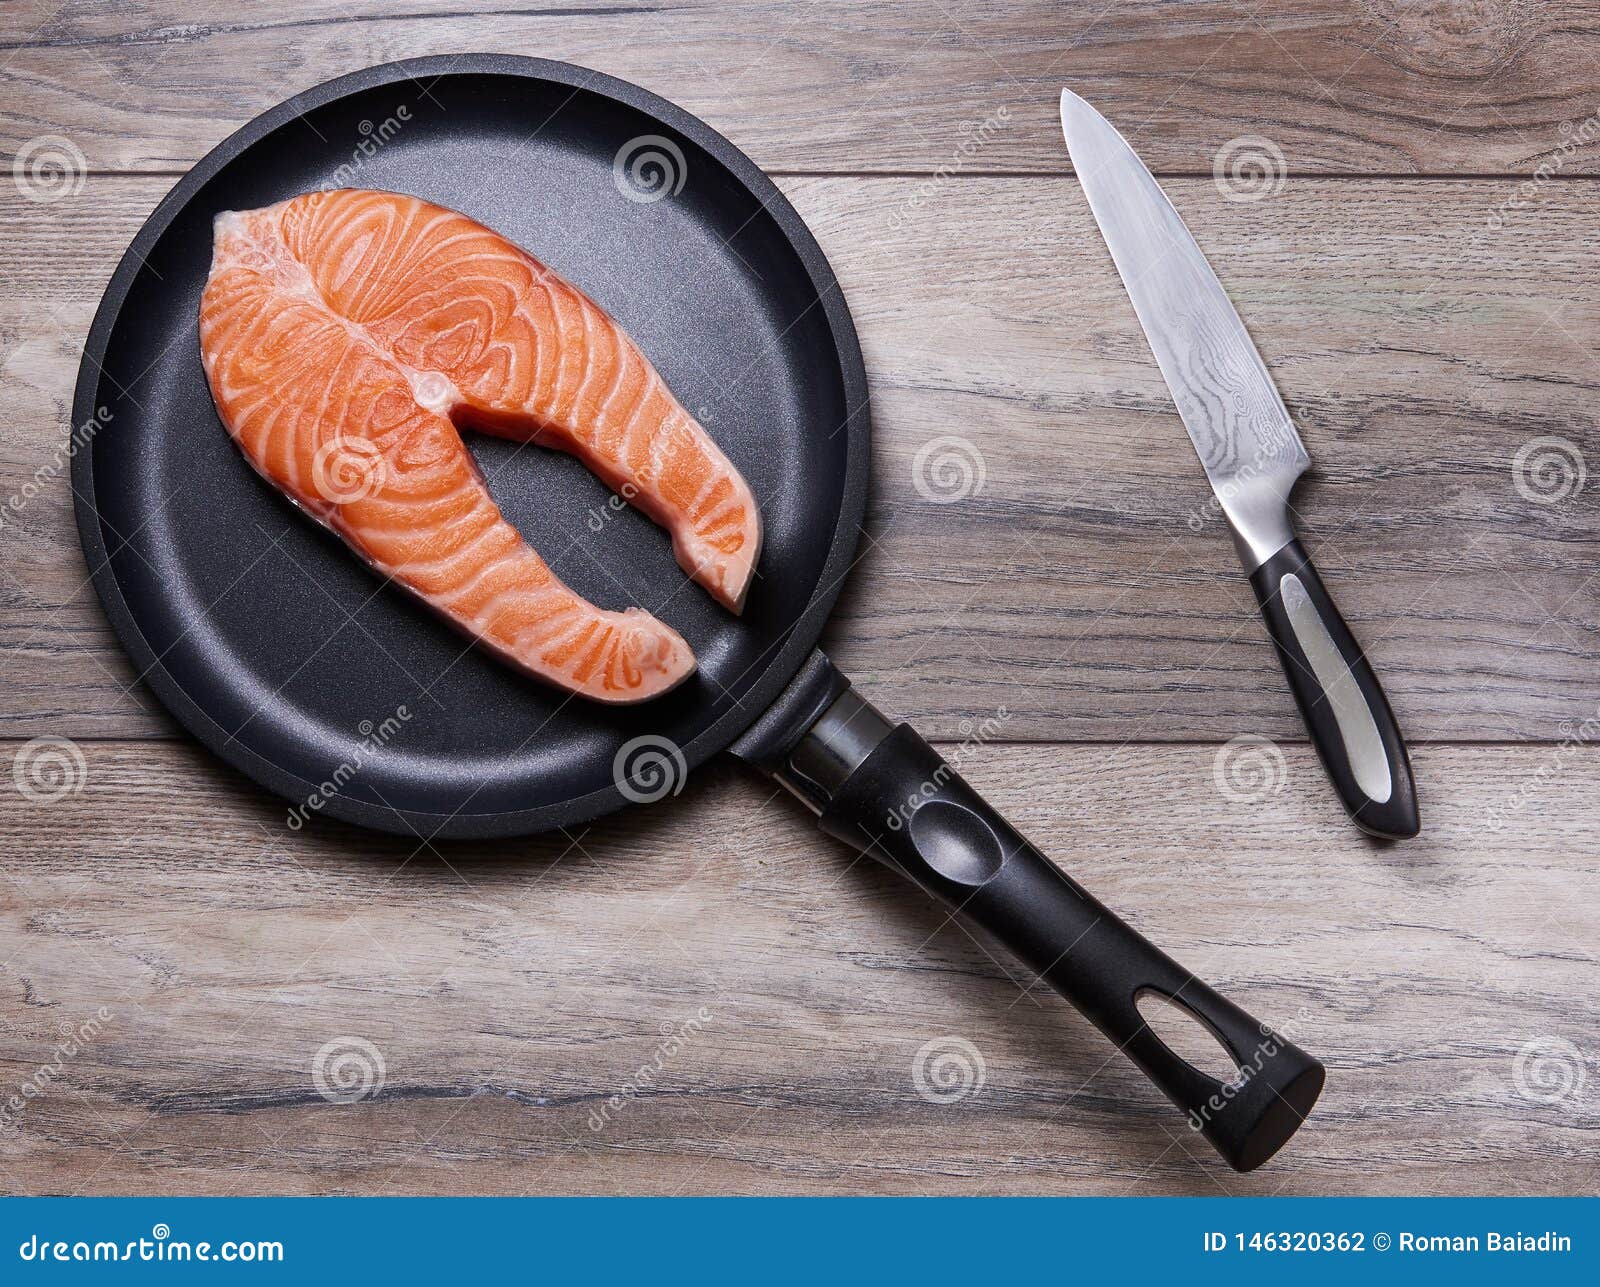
point(346, 335)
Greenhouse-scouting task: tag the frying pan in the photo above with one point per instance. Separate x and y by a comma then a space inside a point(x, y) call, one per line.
point(283, 654)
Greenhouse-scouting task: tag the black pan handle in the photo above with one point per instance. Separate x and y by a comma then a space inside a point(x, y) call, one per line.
point(884, 790)
point(1343, 705)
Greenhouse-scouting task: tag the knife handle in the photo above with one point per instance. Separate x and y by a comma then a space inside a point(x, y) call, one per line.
point(1339, 697)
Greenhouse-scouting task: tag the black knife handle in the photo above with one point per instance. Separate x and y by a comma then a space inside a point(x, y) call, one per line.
point(1339, 697)
point(907, 807)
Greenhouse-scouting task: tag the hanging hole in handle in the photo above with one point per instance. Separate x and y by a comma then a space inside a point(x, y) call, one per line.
point(1187, 1036)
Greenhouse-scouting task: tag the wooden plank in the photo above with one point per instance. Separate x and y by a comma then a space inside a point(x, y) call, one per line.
point(1371, 86)
point(1420, 349)
point(758, 1001)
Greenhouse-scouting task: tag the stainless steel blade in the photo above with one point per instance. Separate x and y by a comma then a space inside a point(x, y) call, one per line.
point(1229, 404)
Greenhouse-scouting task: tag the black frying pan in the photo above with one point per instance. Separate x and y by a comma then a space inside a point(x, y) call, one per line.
point(282, 653)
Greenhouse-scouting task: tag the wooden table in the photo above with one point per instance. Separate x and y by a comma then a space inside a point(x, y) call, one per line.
point(708, 996)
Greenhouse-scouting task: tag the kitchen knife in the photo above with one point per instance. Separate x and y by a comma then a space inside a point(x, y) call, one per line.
point(1253, 456)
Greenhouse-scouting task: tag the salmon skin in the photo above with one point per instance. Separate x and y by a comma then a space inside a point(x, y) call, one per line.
point(347, 334)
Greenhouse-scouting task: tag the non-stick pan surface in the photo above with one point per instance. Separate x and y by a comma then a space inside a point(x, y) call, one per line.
point(277, 648)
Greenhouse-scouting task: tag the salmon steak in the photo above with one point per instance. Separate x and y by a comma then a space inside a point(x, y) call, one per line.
point(349, 335)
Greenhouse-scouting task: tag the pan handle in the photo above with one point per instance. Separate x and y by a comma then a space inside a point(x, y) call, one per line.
point(882, 789)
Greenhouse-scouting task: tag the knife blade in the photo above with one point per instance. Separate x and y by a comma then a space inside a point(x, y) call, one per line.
point(1227, 400)
point(1252, 455)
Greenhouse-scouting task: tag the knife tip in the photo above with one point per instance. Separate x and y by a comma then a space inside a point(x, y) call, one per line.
point(1075, 111)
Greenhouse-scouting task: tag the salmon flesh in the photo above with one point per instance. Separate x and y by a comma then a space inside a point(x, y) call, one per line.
point(348, 334)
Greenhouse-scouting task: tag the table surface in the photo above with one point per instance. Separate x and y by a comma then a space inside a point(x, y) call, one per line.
point(708, 995)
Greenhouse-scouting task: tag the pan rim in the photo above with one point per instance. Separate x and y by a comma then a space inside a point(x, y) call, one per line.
point(796, 644)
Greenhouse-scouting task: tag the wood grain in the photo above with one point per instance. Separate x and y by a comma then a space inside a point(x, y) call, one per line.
point(1366, 86)
point(513, 989)
point(1085, 587)
point(537, 1006)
